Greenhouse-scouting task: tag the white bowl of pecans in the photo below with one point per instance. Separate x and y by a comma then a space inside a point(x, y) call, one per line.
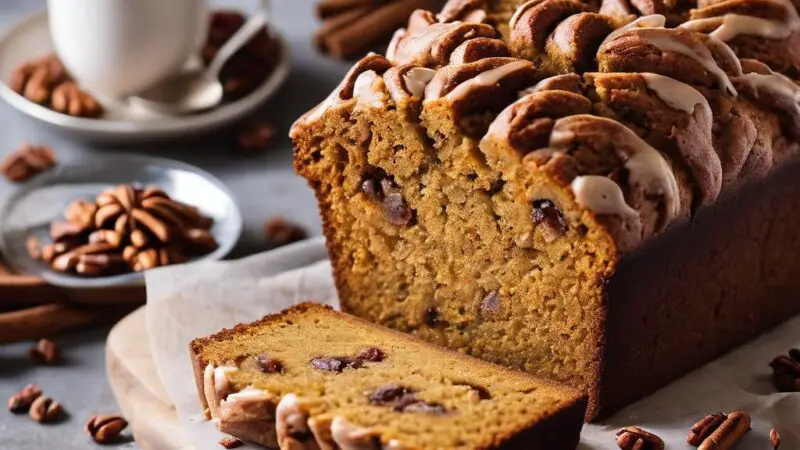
point(105, 220)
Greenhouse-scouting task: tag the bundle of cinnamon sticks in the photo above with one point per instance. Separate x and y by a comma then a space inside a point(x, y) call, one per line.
point(350, 28)
point(31, 309)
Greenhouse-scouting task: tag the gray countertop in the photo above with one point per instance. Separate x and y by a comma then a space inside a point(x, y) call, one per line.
point(264, 185)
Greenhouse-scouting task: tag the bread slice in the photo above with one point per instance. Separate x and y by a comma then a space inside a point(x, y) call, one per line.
point(313, 378)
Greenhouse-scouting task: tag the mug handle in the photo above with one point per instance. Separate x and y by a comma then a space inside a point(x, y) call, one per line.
point(242, 36)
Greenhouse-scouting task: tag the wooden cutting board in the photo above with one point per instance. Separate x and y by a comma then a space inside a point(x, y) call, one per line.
point(141, 396)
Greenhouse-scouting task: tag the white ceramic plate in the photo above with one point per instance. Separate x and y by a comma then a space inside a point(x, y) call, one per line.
point(31, 208)
point(122, 123)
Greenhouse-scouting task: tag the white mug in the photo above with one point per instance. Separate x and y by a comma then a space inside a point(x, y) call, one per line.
point(116, 48)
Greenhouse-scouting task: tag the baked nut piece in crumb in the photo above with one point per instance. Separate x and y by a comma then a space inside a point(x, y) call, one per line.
point(597, 199)
point(313, 378)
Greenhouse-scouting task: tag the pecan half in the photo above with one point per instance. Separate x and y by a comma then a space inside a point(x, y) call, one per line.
point(46, 352)
point(27, 161)
point(786, 371)
point(45, 409)
point(635, 438)
point(725, 435)
point(106, 428)
point(22, 400)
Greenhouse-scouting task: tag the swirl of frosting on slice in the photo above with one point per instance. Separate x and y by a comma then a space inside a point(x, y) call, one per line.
point(407, 81)
point(291, 425)
point(487, 85)
point(675, 53)
point(349, 436)
point(643, 197)
point(670, 114)
point(526, 124)
point(770, 19)
point(532, 23)
point(573, 43)
point(772, 91)
point(429, 43)
point(346, 89)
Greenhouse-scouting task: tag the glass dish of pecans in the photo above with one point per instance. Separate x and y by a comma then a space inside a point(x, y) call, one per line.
point(103, 221)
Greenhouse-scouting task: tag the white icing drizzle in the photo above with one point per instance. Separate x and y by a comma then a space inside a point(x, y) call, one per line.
point(646, 166)
point(288, 419)
point(601, 195)
point(365, 91)
point(733, 25)
point(221, 382)
point(774, 83)
point(703, 57)
point(651, 21)
point(488, 78)
point(351, 437)
point(248, 393)
point(407, 51)
point(416, 80)
point(729, 53)
point(677, 94)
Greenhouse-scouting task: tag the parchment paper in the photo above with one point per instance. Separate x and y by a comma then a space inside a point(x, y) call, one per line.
point(185, 302)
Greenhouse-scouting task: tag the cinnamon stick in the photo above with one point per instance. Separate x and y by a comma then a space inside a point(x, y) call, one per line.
point(360, 31)
point(47, 320)
point(328, 8)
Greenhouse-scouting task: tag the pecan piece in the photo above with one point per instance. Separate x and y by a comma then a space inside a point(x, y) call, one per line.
point(397, 210)
point(774, 439)
point(280, 231)
point(81, 212)
point(104, 429)
point(45, 409)
point(98, 264)
point(230, 442)
point(69, 99)
point(786, 371)
point(546, 213)
point(388, 393)
point(635, 438)
point(22, 400)
point(27, 161)
point(46, 352)
point(371, 354)
point(729, 432)
point(255, 136)
point(410, 403)
point(268, 364)
point(335, 363)
point(145, 259)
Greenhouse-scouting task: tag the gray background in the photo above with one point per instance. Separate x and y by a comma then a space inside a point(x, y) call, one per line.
point(264, 185)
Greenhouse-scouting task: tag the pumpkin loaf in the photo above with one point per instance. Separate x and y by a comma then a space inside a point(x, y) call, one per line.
point(590, 196)
point(312, 378)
